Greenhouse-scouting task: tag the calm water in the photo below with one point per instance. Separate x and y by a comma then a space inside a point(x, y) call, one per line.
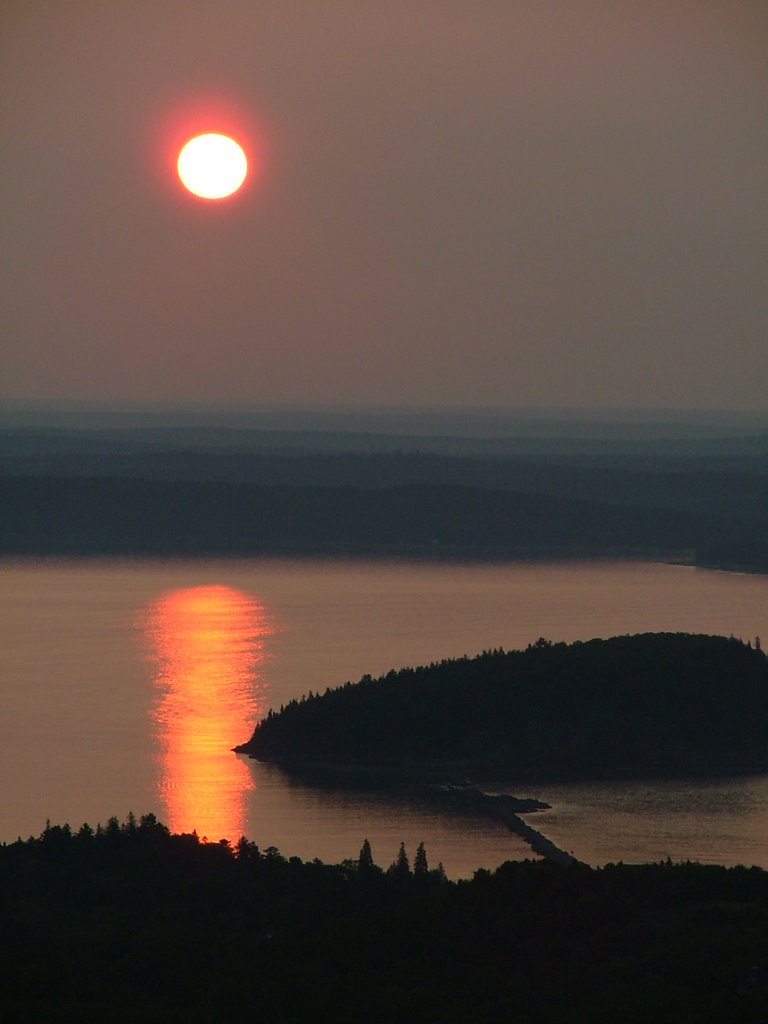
point(125, 683)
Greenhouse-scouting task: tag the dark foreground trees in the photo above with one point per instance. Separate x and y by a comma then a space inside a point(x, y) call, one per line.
point(130, 923)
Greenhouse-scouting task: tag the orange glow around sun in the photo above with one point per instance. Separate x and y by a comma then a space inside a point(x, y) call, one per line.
point(212, 166)
point(207, 643)
point(208, 147)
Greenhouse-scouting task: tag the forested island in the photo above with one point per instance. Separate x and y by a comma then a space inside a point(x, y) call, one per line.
point(660, 704)
point(128, 923)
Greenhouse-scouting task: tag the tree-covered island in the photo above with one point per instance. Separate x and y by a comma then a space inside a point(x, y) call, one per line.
point(649, 704)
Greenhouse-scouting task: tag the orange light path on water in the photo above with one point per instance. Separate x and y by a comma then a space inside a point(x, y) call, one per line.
point(207, 644)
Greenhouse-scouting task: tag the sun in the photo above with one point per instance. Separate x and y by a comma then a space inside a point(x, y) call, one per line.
point(212, 166)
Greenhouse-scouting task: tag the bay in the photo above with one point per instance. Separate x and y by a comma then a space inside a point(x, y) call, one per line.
point(126, 682)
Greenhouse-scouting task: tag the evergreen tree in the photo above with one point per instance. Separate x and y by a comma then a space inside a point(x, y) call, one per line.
point(365, 860)
point(113, 828)
point(420, 865)
point(401, 868)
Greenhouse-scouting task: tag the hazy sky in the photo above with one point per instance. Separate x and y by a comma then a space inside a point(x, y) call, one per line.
point(489, 203)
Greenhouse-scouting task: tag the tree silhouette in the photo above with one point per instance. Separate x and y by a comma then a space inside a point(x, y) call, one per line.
point(420, 865)
point(365, 860)
point(400, 869)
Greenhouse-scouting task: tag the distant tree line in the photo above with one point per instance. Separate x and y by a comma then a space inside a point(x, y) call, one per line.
point(83, 515)
point(221, 491)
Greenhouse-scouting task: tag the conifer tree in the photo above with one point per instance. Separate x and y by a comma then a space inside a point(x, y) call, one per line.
point(420, 865)
point(439, 873)
point(401, 868)
point(365, 860)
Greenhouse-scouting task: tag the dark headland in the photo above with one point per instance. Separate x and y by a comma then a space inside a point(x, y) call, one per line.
point(662, 704)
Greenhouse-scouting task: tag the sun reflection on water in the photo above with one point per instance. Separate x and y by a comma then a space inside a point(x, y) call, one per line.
point(207, 644)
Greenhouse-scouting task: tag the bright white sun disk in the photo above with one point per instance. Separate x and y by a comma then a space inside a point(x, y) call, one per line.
point(212, 166)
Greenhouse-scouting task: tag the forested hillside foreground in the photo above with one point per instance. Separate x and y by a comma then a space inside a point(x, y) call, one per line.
point(132, 924)
point(654, 703)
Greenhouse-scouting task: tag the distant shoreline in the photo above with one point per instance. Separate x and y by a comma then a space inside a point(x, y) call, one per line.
point(415, 553)
point(432, 554)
